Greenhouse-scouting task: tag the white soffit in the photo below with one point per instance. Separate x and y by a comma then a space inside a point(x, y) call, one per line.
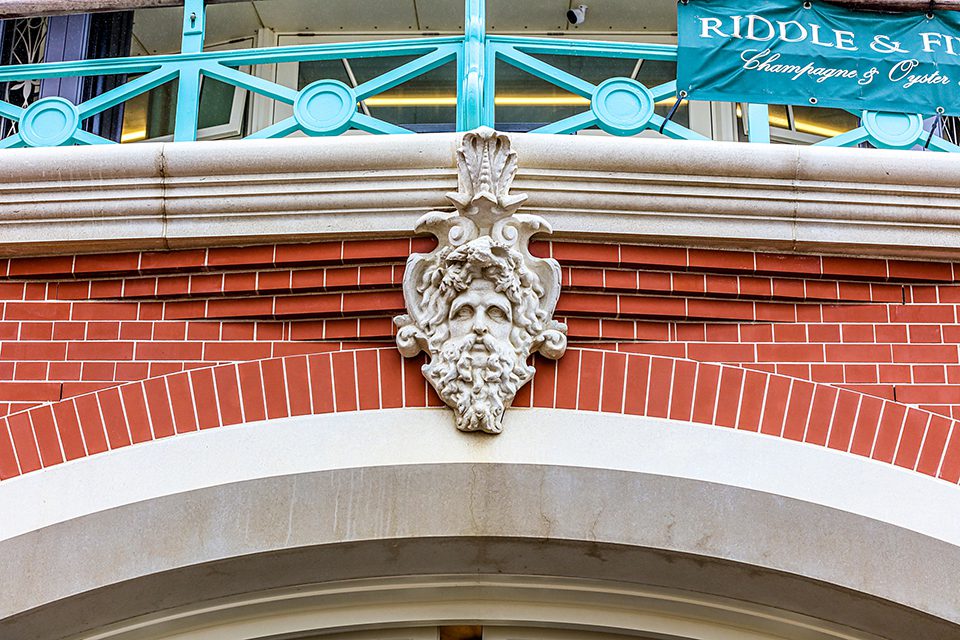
point(542, 15)
point(603, 16)
point(158, 30)
point(628, 15)
point(338, 15)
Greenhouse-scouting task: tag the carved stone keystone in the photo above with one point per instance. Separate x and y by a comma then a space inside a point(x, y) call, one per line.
point(480, 304)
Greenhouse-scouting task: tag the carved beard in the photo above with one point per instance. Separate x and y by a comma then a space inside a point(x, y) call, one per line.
point(478, 384)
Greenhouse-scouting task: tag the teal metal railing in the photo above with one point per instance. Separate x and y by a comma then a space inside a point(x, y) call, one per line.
point(620, 106)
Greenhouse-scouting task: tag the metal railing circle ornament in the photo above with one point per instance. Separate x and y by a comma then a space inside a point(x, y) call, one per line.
point(623, 106)
point(49, 122)
point(325, 107)
point(893, 130)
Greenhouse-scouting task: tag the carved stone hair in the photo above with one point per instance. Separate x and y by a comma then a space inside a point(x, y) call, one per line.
point(452, 270)
point(484, 238)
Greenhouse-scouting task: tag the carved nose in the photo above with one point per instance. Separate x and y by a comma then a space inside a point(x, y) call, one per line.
point(479, 326)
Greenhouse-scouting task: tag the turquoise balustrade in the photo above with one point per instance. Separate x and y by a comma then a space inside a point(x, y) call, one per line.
point(619, 106)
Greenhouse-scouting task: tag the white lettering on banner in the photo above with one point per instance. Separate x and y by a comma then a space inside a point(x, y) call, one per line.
point(736, 27)
point(801, 31)
point(711, 24)
point(815, 32)
point(868, 76)
point(754, 60)
point(901, 71)
point(939, 42)
point(820, 55)
point(768, 62)
point(760, 29)
point(883, 44)
point(928, 40)
point(845, 40)
point(752, 28)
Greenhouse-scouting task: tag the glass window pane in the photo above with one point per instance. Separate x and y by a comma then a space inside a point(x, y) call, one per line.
point(462, 632)
point(524, 102)
point(806, 121)
point(779, 116)
point(425, 103)
point(312, 70)
point(162, 110)
point(653, 73)
point(153, 114)
point(135, 118)
point(216, 103)
point(823, 122)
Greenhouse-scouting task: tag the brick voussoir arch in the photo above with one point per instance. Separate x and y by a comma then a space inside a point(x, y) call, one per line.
point(379, 378)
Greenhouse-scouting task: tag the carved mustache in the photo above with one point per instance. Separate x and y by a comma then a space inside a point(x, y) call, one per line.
point(467, 352)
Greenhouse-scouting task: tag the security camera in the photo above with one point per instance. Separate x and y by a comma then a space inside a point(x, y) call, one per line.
point(578, 15)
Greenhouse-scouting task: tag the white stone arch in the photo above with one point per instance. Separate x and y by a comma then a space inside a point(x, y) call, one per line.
point(561, 500)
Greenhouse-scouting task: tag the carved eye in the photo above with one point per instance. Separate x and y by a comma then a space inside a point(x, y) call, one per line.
point(496, 313)
point(463, 313)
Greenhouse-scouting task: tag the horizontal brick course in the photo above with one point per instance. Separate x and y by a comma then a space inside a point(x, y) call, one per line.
point(880, 329)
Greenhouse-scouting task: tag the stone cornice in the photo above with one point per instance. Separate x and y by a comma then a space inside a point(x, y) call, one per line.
point(784, 198)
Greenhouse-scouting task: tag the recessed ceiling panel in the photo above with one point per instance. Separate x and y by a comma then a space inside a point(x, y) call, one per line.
point(526, 15)
point(440, 15)
point(551, 15)
point(229, 21)
point(159, 29)
point(331, 16)
point(629, 15)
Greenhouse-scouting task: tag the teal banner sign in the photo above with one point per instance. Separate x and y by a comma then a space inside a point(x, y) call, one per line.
point(790, 52)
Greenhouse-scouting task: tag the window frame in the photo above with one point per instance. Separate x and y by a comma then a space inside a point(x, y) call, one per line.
point(286, 74)
point(239, 118)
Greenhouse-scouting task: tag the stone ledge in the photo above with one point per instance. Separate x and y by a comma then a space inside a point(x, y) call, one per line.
point(784, 198)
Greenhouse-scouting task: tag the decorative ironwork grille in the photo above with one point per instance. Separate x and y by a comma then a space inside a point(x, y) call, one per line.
point(24, 41)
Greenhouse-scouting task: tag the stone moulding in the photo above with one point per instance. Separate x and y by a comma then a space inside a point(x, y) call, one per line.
point(893, 204)
point(480, 304)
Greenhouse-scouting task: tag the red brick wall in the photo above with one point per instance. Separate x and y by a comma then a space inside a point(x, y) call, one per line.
point(885, 330)
point(72, 325)
point(884, 327)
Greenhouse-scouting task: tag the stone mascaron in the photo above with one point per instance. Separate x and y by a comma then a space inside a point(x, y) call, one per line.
point(480, 304)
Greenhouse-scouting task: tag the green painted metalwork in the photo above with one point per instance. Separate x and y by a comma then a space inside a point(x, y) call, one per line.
point(619, 106)
point(471, 94)
point(188, 87)
point(758, 120)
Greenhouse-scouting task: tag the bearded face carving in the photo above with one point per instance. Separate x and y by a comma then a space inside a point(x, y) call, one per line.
point(480, 304)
